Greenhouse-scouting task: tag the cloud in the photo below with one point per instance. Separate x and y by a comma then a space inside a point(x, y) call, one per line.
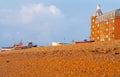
point(29, 13)
point(37, 22)
point(54, 10)
point(34, 22)
point(9, 16)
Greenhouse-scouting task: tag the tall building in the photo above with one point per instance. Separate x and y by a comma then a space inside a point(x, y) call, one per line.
point(105, 27)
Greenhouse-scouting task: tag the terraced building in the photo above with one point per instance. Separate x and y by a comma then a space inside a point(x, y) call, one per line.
point(105, 27)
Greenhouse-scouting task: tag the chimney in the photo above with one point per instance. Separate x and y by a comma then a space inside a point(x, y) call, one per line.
point(98, 7)
point(98, 11)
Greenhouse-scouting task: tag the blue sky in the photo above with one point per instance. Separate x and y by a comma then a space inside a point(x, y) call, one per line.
point(46, 21)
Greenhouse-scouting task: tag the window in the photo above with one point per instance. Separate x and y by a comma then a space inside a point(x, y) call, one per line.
point(98, 25)
point(97, 37)
point(112, 28)
point(111, 35)
point(107, 29)
point(109, 39)
point(106, 36)
point(93, 26)
point(102, 39)
point(98, 31)
point(111, 21)
point(107, 23)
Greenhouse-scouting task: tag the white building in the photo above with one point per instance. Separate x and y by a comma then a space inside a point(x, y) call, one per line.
point(57, 43)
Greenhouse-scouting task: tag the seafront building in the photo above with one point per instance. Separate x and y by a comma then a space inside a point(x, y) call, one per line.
point(105, 27)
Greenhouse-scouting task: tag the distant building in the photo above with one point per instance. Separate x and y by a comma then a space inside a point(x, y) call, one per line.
point(57, 43)
point(105, 27)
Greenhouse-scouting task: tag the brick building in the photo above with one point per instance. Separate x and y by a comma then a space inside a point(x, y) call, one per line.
point(105, 27)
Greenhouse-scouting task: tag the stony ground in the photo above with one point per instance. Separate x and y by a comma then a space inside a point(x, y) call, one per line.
point(81, 60)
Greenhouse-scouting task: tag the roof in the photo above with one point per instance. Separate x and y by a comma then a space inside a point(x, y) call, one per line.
point(117, 12)
point(108, 15)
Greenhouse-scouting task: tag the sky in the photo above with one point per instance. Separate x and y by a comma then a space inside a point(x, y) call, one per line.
point(47, 21)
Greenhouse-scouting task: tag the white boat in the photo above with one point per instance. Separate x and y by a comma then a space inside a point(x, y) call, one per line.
point(6, 49)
